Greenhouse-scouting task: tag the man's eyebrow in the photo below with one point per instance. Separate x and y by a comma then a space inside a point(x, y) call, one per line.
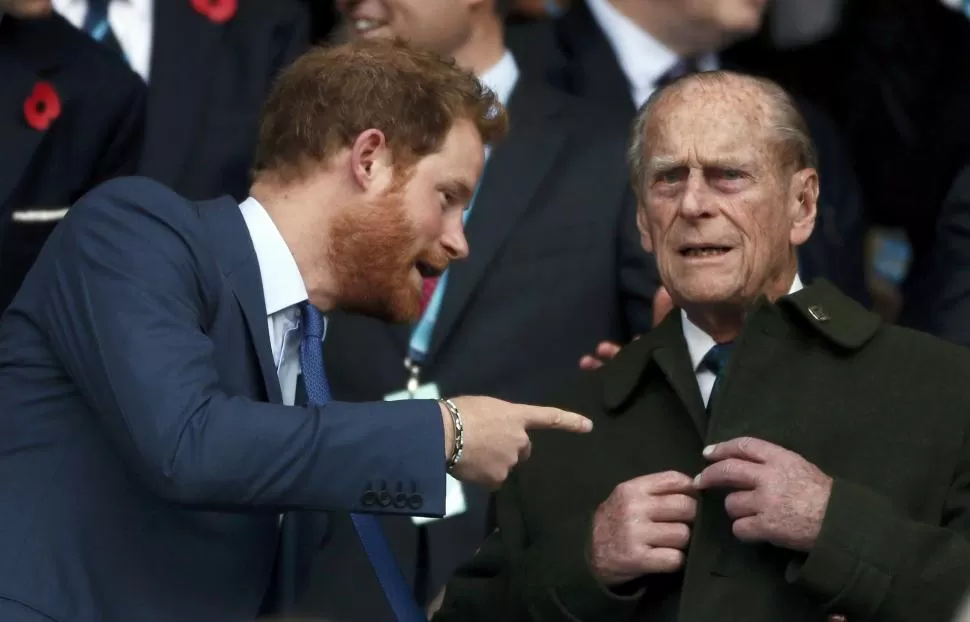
point(664, 163)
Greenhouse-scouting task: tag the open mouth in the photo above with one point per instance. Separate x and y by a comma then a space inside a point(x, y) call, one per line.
point(364, 25)
point(427, 270)
point(694, 251)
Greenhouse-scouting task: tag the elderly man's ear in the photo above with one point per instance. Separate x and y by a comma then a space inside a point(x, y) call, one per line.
point(804, 206)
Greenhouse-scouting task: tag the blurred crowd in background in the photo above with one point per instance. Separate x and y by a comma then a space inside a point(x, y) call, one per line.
point(172, 89)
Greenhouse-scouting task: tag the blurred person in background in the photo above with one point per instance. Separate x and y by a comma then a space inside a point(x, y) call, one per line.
point(617, 52)
point(556, 266)
point(208, 65)
point(773, 451)
point(938, 301)
point(71, 117)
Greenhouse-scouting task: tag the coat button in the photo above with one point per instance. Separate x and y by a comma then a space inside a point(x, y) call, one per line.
point(415, 501)
point(369, 498)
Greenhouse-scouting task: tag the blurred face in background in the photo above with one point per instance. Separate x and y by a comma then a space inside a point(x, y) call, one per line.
point(440, 26)
point(706, 25)
point(26, 9)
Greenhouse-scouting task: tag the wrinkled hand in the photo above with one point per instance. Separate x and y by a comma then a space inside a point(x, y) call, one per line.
point(779, 497)
point(496, 436)
point(643, 528)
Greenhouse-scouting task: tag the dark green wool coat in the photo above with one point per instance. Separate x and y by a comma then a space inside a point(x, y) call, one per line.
point(882, 410)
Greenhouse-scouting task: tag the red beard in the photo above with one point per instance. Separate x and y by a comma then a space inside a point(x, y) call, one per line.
point(372, 254)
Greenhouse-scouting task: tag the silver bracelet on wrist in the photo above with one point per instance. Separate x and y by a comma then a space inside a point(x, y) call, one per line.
point(459, 433)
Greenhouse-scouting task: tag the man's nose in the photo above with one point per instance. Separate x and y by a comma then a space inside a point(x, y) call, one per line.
point(455, 243)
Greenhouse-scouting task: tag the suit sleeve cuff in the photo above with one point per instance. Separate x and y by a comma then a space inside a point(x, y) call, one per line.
point(563, 576)
point(410, 446)
point(839, 569)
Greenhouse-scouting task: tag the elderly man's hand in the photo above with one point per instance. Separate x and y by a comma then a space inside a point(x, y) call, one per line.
point(643, 528)
point(779, 497)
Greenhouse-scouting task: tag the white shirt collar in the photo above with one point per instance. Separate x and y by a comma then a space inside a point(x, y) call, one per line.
point(699, 343)
point(283, 284)
point(502, 77)
point(143, 7)
point(643, 59)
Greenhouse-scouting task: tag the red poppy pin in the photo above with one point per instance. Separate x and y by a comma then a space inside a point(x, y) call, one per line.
point(218, 11)
point(42, 107)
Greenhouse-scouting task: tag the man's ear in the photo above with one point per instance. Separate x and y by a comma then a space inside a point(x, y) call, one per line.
point(368, 155)
point(804, 205)
point(644, 227)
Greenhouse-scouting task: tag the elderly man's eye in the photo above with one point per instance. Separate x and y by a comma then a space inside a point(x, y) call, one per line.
point(671, 176)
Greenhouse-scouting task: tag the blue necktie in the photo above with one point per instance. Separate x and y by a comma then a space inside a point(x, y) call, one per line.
point(96, 24)
point(368, 526)
point(716, 360)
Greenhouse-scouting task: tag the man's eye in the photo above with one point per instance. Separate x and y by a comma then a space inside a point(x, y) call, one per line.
point(670, 177)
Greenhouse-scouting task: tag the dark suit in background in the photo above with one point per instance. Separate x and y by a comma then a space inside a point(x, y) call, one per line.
point(938, 296)
point(555, 267)
point(890, 427)
point(145, 454)
point(574, 54)
point(97, 136)
point(206, 88)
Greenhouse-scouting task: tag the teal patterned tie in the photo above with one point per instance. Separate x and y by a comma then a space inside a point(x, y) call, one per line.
point(716, 360)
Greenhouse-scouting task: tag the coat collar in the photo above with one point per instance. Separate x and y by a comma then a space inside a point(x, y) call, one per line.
point(819, 308)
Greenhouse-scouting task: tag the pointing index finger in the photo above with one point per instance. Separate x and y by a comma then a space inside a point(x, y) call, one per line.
point(542, 417)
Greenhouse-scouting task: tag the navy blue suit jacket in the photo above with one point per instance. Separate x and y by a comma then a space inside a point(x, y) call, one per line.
point(97, 136)
point(144, 451)
point(206, 88)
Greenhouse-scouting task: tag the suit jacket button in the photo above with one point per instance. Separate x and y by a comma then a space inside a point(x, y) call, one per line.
point(415, 502)
point(400, 500)
point(369, 498)
point(384, 499)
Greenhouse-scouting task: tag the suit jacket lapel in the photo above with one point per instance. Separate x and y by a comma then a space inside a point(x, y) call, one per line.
point(237, 258)
point(504, 195)
point(592, 68)
point(26, 56)
point(183, 42)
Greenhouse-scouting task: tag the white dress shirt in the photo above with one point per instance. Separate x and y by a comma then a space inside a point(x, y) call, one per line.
point(502, 77)
point(699, 344)
point(643, 59)
point(283, 291)
point(132, 24)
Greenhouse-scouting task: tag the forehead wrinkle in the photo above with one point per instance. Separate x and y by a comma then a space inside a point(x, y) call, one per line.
point(720, 117)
